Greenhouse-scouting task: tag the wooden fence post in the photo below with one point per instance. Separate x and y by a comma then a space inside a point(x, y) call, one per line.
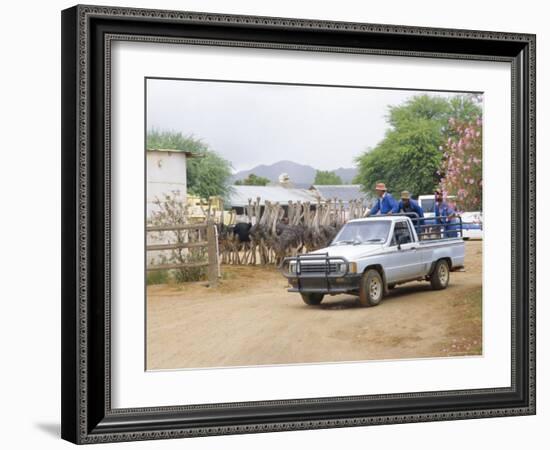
point(212, 254)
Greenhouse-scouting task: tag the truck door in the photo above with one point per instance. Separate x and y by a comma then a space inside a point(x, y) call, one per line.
point(404, 259)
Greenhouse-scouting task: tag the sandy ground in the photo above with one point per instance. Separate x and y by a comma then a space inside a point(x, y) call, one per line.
point(250, 319)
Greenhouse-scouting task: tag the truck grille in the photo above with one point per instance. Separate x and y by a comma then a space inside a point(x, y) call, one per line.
point(317, 268)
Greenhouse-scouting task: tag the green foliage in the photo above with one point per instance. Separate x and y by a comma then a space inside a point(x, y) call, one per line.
point(327, 177)
point(187, 274)
point(419, 109)
point(208, 173)
point(465, 108)
point(158, 277)
point(253, 180)
point(172, 140)
point(409, 158)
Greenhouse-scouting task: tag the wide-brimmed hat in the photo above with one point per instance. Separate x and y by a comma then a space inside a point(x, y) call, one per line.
point(380, 187)
point(405, 195)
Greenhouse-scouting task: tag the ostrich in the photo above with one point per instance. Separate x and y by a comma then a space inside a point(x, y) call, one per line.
point(273, 233)
point(288, 241)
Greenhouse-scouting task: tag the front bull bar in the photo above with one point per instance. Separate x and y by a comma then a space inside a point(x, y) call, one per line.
point(327, 274)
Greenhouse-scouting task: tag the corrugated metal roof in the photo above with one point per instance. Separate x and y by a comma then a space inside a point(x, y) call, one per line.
point(239, 195)
point(344, 192)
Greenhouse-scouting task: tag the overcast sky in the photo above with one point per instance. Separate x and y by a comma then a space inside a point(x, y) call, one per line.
point(250, 124)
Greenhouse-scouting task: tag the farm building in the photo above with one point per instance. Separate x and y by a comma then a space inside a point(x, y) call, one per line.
point(240, 195)
point(166, 174)
point(341, 192)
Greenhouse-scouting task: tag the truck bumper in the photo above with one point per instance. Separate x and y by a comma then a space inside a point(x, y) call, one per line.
point(324, 285)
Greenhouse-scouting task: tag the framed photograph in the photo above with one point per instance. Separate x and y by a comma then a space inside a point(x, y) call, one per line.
point(277, 224)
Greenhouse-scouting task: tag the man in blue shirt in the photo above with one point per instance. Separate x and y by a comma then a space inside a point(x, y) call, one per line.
point(385, 203)
point(408, 205)
point(446, 216)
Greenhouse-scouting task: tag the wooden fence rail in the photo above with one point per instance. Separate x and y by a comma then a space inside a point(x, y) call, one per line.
point(211, 244)
point(176, 246)
point(177, 266)
point(176, 227)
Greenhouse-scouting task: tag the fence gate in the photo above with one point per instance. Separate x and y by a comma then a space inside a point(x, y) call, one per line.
point(211, 244)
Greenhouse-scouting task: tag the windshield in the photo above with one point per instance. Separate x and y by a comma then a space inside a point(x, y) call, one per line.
point(371, 231)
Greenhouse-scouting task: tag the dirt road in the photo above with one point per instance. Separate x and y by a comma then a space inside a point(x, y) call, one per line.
point(250, 319)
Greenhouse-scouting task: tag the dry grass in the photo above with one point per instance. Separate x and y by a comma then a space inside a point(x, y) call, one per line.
point(465, 331)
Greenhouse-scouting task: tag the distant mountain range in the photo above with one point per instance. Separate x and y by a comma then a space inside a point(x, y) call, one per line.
point(300, 174)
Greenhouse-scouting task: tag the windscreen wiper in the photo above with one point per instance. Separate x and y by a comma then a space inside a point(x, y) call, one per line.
point(347, 241)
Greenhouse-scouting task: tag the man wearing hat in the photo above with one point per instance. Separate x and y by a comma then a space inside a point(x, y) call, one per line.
point(385, 203)
point(446, 216)
point(408, 205)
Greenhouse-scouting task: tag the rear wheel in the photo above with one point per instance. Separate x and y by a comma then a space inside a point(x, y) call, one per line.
point(312, 298)
point(440, 276)
point(371, 290)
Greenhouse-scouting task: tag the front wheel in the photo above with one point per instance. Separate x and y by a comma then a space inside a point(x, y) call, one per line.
point(312, 299)
point(371, 290)
point(440, 276)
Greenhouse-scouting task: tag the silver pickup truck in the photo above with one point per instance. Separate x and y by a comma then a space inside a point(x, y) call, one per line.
point(370, 256)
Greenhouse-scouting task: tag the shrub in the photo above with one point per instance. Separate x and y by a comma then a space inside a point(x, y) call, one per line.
point(171, 210)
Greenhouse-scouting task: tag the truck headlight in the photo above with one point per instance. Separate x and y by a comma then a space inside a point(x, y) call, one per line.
point(341, 267)
point(352, 267)
point(292, 267)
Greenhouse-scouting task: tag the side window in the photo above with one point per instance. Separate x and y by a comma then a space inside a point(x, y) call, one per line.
point(410, 227)
point(401, 229)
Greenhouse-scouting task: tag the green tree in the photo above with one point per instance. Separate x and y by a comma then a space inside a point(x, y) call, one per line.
point(253, 180)
point(409, 157)
point(208, 173)
point(326, 177)
point(465, 108)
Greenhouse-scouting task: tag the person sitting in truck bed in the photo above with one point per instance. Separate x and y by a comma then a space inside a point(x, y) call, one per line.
point(408, 205)
point(385, 203)
point(446, 216)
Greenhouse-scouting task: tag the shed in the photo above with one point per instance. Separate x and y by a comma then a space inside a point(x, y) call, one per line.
point(239, 195)
point(344, 192)
point(166, 174)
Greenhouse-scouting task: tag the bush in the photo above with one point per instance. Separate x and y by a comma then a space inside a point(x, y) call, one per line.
point(158, 277)
point(171, 210)
point(185, 274)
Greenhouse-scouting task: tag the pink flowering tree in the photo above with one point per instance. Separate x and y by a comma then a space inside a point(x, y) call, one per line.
point(460, 171)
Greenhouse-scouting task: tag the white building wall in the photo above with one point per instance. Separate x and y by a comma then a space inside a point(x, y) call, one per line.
point(166, 173)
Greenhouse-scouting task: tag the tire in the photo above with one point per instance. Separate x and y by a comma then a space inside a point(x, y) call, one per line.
point(371, 289)
point(312, 299)
point(440, 275)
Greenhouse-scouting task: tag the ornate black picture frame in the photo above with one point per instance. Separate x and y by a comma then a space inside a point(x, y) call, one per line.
point(87, 34)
